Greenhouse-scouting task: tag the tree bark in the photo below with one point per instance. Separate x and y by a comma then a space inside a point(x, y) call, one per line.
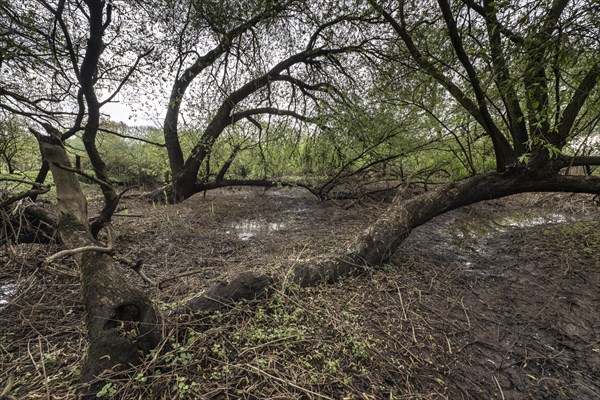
point(122, 323)
point(87, 79)
point(40, 178)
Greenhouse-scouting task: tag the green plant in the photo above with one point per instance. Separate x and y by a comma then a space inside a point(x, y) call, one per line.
point(183, 387)
point(140, 377)
point(108, 391)
point(179, 355)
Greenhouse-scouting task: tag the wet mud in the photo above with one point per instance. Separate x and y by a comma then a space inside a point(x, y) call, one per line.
point(518, 297)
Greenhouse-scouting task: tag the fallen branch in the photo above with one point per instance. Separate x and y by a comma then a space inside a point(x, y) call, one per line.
point(23, 195)
point(9, 385)
point(138, 269)
point(288, 382)
point(69, 252)
point(181, 275)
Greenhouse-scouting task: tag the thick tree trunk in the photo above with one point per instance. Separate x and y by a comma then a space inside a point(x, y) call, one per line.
point(122, 323)
point(376, 245)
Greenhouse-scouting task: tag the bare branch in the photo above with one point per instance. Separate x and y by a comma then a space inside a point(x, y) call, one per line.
point(23, 195)
point(127, 76)
point(100, 249)
point(579, 97)
point(268, 110)
point(131, 137)
point(512, 36)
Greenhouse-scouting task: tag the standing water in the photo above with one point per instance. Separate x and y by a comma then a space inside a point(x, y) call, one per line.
point(7, 291)
point(247, 229)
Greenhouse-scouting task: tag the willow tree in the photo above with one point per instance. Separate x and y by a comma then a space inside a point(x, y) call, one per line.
point(67, 58)
point(233, 64)
point(526, 72)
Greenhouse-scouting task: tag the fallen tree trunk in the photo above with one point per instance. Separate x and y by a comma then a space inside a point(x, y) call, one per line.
point(122, 323)
point(26, 222)
point(376, 245)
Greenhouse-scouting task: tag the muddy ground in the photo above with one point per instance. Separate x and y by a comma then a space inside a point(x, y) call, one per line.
point(496, 300)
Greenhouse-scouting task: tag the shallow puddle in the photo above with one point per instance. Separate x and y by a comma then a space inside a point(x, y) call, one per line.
point(480, 228)
point(7, 291)
point(473, 236)
point(528, 221)
point(247, 229)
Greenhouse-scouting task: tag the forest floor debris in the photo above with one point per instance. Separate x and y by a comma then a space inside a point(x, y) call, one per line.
point(489, 301)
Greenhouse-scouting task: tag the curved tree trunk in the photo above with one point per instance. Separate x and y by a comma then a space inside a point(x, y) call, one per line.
point(40, 178)
point(376, 245)
point(122, 323)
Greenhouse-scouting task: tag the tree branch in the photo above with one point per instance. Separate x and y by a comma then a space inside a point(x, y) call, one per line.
point(503, 80)
point(92, 178)
point(131, 137)
point(579, 97)
point(267, 110)
point(504, 153)
point(23, 195)
point(581, 161)
point(512, 36)
point(501, 145)
point(127, 76)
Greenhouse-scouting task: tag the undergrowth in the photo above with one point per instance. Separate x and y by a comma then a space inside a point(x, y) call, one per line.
point(287, 346)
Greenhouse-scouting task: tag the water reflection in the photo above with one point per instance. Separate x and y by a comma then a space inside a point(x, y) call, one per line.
point(247, 229)
point(7, 291)
point(471, 236)
point(528, 221)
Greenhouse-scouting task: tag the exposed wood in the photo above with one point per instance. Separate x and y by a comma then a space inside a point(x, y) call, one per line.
point(70, 252)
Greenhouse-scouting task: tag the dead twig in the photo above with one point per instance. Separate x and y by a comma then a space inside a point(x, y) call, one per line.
point(44, 369)
point(101, 249)
point(287, 382)
point(181, 275)
point(9, 385)
point(71, 252)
